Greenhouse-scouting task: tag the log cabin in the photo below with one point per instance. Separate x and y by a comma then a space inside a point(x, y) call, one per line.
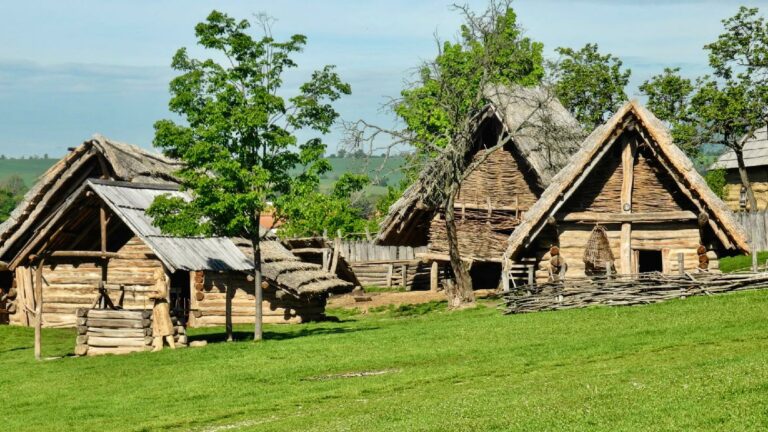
point(81, 237)
point(756, 163)
point(540, 135)
point(630, 201)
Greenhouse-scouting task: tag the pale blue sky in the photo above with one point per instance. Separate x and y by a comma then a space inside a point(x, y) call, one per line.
point(69, 69)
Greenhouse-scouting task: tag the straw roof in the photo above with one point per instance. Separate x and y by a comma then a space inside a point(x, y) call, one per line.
point(632, 114)
point(542, 131)
point(137, 176)
point(755, 152)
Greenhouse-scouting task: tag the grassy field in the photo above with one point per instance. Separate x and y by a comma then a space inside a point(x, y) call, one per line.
point(695, 364)
point(28, 169)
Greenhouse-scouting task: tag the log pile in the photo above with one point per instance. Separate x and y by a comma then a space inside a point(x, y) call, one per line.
point(626, 290)
point(107, 331)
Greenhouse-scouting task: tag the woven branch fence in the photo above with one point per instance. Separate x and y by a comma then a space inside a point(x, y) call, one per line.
point(626, 290)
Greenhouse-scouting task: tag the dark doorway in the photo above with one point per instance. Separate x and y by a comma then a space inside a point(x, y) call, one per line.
point(649, 261)
point(180, 291)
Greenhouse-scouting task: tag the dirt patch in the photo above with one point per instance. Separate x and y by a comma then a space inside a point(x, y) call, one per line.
point(393, 298)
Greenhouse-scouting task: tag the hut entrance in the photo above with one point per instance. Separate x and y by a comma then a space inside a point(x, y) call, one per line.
point(649, 261)
point(179, 293)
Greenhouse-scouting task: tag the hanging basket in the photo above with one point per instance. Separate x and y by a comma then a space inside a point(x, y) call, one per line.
point(598, 251)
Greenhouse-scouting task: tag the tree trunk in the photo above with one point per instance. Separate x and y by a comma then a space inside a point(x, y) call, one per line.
point(459, 292)
point(258, 294)
point(745, 179)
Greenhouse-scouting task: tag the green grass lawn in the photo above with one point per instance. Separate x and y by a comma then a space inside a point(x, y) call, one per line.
point(742, 262)
point(695, 364)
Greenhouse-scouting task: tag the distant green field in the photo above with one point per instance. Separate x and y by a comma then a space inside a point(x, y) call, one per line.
point(28, 169)
point(376, 167)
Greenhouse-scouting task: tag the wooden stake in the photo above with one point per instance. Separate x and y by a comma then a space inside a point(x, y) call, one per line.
point(38, 308)
point(404, 272)
point(433, 276)
point(681, 263)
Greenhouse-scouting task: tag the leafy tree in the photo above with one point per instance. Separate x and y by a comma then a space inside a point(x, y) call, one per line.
point(7, 203)
point(439, 111)
point(591, 85)
point(715, 179)
point(492, 49)
point(730, 104)
point(342, 153)
point(307, 211)
point(238, 143)
point(14, 184)
point(669, 97)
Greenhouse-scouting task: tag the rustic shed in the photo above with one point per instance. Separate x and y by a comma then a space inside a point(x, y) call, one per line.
point(99, 245)
point(630, 181)
point(756, 163)
point(495, 196)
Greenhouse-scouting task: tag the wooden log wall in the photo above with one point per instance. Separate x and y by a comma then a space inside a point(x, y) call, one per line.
point(106, 331)
point(209, 297)
point(758, 177)
point(72, 283)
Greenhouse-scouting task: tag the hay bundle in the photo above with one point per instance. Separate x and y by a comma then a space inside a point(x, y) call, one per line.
point(598, 252)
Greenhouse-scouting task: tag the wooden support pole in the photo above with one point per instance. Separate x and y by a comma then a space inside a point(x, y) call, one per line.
point(336, 252)
point(627, 169)
point(531, 275)
point(404, 273)
point(103, 227)
point(434, 276)
point(681, 263)
point(39, 308)
point(390, 269)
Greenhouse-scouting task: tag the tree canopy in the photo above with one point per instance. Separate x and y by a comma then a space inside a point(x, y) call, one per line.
point(591, 85)
point(237, 140)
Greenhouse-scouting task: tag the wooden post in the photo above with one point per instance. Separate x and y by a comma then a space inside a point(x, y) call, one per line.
point(754, 253)
point(325, 259)
point(404, 272)
point(505, 274)
point(389, 275)
point(608, 265)
point(38, 308)
point(627, 169)
point(531, 275)
point(433, 276)
point(336, 252)
point(681, 263)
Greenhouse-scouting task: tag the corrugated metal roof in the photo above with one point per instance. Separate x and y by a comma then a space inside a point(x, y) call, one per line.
point(130, 201)
point(755, 152)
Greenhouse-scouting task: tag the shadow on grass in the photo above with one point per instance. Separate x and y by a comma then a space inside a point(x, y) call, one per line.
point(271, 335)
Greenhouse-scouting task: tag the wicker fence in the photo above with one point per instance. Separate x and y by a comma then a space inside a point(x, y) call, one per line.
point(755, 224)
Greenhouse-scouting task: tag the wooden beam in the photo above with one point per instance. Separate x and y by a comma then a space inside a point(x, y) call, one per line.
point(103, 228)
point(627, 171)
point(85, 254)
point(659, 217)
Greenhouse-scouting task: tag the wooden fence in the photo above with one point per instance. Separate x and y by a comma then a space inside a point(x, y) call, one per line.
point(755, 224)
point(361, 250)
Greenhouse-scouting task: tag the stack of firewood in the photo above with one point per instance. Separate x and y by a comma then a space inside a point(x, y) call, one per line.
point(625, 290)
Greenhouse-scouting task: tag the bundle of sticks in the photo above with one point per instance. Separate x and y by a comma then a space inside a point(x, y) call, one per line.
point(626, 290)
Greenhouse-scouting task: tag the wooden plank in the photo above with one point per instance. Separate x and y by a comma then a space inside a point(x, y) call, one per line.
point(659, 217)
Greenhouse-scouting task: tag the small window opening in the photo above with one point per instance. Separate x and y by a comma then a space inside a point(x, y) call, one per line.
point(649, 261)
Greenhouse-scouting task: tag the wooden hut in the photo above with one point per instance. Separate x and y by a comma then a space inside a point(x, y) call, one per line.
point(495, 196)
point(632, 196)
point(756, 163)
point(86, 220)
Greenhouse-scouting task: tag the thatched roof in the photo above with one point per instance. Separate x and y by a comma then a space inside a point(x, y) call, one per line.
point(755, 152)
point(543, 132)
point(136, 177)
point(632, 114)
point(122, 161)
